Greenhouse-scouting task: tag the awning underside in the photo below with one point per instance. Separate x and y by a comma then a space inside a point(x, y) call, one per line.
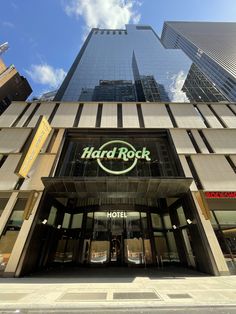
point(117, 187)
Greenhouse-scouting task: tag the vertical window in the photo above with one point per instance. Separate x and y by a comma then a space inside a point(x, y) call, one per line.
point(205, 141)
point(77, 221)
point(181, 216)
point(27, 142)
point(140, 116)
point(99, 116)
point(53, 112)
point(119, 116)
point(156, 221)
point(19, 183)
point(66, 221)
point(52, 140)
point(172, 118)
point(21, 115)
point(194, 173)
point(231, 109)
point(31, 115)
point(193, 141)
point(202, 116)
point(78, 115)
point(230, 161)
point(218, 118)
point(52, 216)
point(2, 159)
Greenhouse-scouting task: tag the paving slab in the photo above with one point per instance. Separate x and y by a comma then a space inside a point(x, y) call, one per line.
point(114, 292)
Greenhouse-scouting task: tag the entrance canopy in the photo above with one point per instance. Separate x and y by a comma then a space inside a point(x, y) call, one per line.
point(116, 187)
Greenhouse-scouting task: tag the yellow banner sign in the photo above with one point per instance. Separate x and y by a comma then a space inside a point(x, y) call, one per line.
point(39, 137)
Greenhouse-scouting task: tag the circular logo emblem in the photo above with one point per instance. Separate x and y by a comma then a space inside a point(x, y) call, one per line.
point(130, 154)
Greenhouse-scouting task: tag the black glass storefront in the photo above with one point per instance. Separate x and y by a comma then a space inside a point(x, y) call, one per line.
point(89, 216)
point(113, 235)
point(163, 161)
point(116, 238)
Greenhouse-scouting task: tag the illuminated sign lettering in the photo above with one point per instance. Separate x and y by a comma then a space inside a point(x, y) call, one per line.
point(116, 215)
point(126, 152)
point(220, 194)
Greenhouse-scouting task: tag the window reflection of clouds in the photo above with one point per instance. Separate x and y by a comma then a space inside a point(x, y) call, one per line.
point(110, 58)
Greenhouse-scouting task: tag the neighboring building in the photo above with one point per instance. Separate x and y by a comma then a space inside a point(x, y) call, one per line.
point(13, 86)
point(49, 96)
point(197, 86)
point(147, 88)
point(137, 183)
point(134, 55)
point(86, 94)
point(211, 46)
point(114, 91)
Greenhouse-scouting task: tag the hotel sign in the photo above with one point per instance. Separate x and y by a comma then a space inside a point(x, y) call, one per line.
point(120, 151)
point(116, 214)
point(39, 137)
point(220, 194)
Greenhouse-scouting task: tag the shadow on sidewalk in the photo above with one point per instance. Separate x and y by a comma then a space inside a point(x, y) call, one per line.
point(70, 274)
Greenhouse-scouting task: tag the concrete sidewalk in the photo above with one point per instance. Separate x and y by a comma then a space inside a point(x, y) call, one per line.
point(117, 291)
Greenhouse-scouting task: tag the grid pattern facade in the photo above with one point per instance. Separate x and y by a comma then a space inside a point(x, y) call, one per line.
point(135, 56)
point(211, 46)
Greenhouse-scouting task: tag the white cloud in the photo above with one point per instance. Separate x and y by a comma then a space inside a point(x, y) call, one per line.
point(176, 88)
point(46, 75)
point(104, 13)
point(8, 24)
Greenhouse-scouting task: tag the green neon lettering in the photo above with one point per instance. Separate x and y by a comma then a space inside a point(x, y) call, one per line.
point(145, 154)
point(87, 152)
point(130, 154)
point(122, 153)
point(111, 154)
point(96, 154)
point(103, 153)
point(138, 154)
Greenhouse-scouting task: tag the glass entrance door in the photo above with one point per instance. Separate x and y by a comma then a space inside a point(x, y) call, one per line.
point(117, 238)
point(100, 244)
point(116, 250)
point(134, 247)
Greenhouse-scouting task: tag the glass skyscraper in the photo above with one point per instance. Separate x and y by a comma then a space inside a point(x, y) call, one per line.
point(132, 65)
point(211, 46)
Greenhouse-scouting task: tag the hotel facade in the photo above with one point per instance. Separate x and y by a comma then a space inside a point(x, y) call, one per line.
point(136, 184)
point(115, 171)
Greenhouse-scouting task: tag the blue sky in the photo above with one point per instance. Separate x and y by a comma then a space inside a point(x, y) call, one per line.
point(45, 36)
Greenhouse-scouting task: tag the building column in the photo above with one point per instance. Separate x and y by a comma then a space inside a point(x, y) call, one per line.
point(20, 241)
point(213, 247)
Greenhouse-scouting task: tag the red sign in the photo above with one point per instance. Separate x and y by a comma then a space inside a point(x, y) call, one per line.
point(220, 194)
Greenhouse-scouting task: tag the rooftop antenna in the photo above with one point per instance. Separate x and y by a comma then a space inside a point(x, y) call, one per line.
point(3, 48)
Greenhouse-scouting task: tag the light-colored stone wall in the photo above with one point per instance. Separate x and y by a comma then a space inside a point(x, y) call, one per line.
point(213, 169)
